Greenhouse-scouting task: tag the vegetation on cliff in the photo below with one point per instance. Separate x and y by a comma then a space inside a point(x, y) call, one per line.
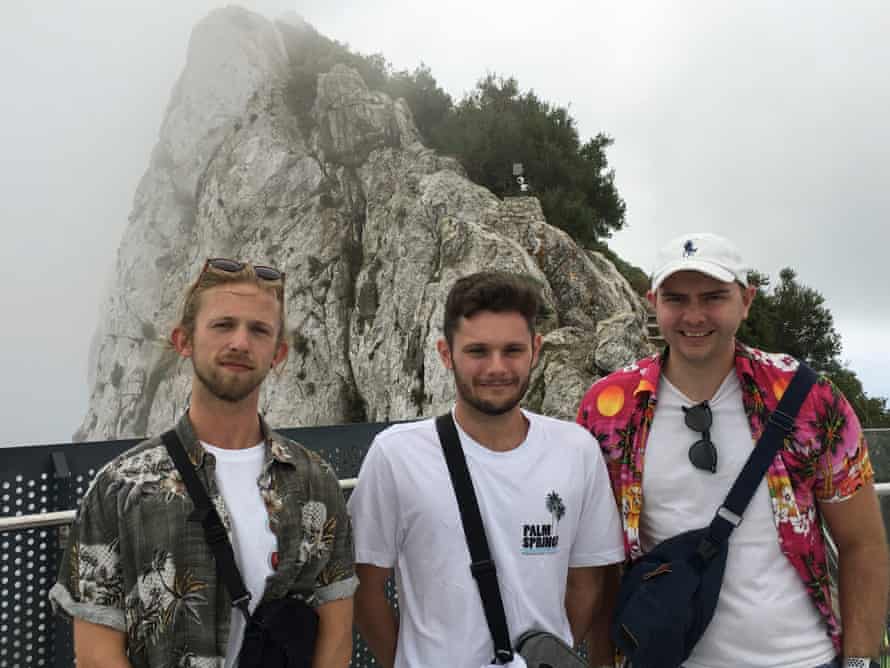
point(494, 126)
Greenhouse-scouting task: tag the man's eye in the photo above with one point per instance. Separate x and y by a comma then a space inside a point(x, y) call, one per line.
point(262, 331)
point(222, 325)
point(476, 352)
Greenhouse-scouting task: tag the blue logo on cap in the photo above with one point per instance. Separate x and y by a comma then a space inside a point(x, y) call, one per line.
point(688, 249)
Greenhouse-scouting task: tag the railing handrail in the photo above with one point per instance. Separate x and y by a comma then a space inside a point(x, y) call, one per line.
point(65, 517)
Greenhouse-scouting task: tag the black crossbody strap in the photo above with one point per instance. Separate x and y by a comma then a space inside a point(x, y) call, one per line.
point(482, 566)
point(214, 531)
point(779, 424)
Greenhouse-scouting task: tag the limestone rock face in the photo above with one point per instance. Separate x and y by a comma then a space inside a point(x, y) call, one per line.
point(371, 227)
point(617, 339)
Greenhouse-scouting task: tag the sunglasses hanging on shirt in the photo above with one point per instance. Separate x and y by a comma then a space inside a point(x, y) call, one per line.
point(702, 453)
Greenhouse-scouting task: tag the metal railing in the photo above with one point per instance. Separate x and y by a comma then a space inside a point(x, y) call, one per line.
point(66, 517)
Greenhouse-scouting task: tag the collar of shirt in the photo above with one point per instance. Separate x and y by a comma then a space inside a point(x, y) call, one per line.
point(651, 371)
point(277, 450)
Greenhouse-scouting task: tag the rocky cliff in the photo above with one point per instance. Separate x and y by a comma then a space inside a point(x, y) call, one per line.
point(371, 227)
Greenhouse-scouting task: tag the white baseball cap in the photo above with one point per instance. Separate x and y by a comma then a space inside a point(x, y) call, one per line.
point(706, 253)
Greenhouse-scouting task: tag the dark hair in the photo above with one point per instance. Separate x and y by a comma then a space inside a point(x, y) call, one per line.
point(496, 291)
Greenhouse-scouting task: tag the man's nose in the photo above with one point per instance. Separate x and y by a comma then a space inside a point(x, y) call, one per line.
point(239, 339)
point(694, 312)
point(498, 362)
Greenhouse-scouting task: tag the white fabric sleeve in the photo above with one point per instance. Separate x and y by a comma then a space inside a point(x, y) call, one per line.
point(599, 540)
point(374, 508)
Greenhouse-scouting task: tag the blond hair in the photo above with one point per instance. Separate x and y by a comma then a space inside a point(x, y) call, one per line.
point(211, 278)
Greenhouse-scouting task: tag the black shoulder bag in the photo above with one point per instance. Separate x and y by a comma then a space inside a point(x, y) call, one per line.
point(280, 633)
point(539, 648)
point(668, 596)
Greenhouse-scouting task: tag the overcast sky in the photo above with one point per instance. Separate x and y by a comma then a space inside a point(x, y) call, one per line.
point(764, 121)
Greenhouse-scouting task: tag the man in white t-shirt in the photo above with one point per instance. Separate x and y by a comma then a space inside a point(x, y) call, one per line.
point(541, 484)
point(138, 577)
point(677, 428)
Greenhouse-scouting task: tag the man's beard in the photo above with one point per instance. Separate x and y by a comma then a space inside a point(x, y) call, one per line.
point(484, 406)
point(231, 390)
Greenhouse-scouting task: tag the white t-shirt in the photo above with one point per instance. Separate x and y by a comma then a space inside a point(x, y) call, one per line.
point(764, 617)
point(546, 506)
point(253, 542)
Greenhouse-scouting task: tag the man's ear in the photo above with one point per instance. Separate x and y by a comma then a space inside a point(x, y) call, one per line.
point(748, 298)
point(181, 341)
point(537, 340)
point(650, 297)
point(280, 354)
point(444, 353)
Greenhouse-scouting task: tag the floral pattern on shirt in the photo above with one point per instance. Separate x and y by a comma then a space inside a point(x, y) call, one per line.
point(160, 593)
point(825, 459)
point(95, 569)
point(137, 562)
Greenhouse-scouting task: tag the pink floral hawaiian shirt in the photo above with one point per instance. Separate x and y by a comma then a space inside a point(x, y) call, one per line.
point(826, 459)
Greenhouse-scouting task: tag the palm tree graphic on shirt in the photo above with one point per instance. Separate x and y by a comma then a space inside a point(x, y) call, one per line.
point(555, 507)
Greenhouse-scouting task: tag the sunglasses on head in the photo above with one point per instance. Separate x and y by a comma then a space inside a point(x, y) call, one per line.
point(228, 266)
point(702, 453)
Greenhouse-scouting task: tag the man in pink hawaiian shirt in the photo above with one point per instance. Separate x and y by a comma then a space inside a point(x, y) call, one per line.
point(693, 414)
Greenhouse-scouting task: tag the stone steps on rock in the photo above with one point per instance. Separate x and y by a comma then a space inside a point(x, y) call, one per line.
point(653, 333)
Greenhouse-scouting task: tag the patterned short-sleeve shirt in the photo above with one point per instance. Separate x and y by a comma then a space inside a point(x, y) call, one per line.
point(138, 563)
point(824, 460)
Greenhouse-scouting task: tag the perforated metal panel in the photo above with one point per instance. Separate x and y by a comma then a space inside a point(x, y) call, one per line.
point(27, 571)
point(26, 626)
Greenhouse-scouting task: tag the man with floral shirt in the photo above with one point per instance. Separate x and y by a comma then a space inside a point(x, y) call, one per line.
point(138, 577)
point(692, 415)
